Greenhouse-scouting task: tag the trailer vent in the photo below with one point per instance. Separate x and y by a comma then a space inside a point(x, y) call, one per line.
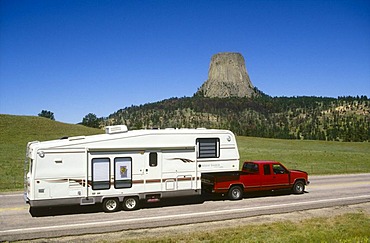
point(116, 129)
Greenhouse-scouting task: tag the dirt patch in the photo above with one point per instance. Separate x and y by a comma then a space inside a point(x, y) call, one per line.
point(199, 227)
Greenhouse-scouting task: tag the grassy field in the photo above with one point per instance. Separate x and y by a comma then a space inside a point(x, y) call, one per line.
point(16, 131)
point(351, 227)
point(315, 157)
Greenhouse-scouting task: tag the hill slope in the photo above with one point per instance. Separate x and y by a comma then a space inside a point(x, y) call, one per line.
point(16, 131)
point(313, 156)
point(312, 118)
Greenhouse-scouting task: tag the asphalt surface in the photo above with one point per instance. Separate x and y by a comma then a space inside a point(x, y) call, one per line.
point(18, 223)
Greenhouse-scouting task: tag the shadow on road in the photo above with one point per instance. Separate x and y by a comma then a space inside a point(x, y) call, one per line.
point(222, 197)
point(170, 202)
point(97, 208)
point(64, 210)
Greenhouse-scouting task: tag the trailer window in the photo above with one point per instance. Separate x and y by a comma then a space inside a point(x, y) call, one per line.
point(31, 165)
point(122, 173)
point(153, 159)
point(208, 147)
point(100, 173)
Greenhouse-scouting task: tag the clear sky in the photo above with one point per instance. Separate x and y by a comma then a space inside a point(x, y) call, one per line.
point(73, 57)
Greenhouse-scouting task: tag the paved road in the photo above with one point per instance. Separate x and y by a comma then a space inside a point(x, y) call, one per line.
point(17, 223)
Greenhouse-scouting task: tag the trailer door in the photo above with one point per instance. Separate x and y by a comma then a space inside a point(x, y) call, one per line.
point(153, 171)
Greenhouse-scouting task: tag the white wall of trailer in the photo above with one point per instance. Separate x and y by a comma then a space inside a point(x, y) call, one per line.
point(132, 173)
point(58, 173)
point(140, 162)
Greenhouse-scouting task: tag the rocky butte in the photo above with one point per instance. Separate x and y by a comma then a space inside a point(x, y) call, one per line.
point(227, 77)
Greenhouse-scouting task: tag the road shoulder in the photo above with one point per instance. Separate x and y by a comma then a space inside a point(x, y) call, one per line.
point(199, 227)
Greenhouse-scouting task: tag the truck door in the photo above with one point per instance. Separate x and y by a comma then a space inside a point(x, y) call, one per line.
point(274, 179)
point(280, 175)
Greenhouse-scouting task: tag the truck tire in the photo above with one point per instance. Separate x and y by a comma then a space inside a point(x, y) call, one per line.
point(235, 193)
point(298, 187)
point(130, 203)
point(110, 205)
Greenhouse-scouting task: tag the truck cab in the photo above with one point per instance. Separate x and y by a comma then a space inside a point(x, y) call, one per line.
point(255, 176)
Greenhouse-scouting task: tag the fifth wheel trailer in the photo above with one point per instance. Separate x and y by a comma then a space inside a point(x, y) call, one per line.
point(121, 167)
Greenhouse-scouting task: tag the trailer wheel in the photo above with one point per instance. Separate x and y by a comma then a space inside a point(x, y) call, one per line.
point(298, 187)
point(110, 205)
point(130, 203)
point(235, 193)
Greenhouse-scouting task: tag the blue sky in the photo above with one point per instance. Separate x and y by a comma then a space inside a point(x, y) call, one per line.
point(75, 57)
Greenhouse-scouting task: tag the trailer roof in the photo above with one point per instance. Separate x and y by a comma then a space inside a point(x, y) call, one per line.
point(81, 140)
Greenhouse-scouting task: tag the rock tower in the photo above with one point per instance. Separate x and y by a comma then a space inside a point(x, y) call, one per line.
point(227, 77)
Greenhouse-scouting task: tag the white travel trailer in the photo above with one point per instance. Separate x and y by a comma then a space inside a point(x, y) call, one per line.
point(121, 167)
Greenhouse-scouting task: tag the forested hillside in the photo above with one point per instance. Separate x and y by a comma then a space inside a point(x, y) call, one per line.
point(341, 119)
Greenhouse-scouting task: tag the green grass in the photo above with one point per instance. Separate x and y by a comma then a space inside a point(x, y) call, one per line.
point(315, 157)
point(16, 131)
point(351, 227)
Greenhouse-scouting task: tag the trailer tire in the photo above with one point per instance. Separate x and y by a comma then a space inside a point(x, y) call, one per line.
point(111, 205)
point(298, 187)
point(236, 193)
point(130, 203)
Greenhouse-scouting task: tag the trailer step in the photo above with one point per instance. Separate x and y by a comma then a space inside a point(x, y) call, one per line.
point(87, 201)
point(151, 198)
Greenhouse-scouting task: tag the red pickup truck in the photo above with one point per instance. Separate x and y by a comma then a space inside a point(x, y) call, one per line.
point(255, 176)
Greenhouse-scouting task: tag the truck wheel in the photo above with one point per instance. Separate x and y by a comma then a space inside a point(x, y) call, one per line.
point(110, 205)
point(235, 193)
point(130, 203)
point(298, 187)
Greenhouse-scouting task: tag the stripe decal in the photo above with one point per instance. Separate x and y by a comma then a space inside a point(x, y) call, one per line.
point(83, 182)
point(165, 179)
point(183, 160)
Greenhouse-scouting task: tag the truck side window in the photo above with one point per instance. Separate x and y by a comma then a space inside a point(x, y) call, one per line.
point(266, 169)
point(153, 159)
point(250, 168)
point(278, 169)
